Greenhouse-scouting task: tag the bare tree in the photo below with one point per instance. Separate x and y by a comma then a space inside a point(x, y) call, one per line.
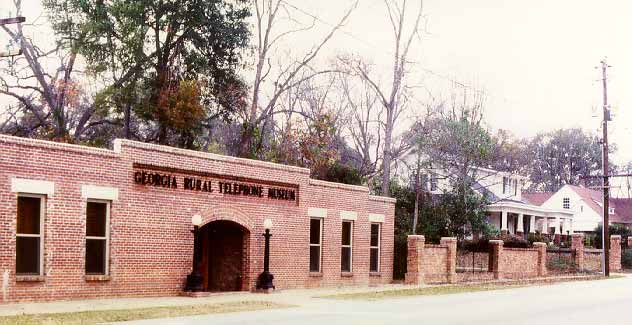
point(41, 81)
point(268, 12)
point(393, 99)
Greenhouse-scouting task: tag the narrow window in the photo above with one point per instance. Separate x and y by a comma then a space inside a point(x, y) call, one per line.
point(505, 184)
point(434, 183)
point(97, 232)
point(29, 244)
point(315, 243)
point(566, 203)
point(347, 242)
point(375, 248)
point(515, 186)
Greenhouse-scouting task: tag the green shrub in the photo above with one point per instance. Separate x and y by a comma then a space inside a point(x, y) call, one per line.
point(561, 265)
point(537, 237)
point(513, 241)
point(626, 259)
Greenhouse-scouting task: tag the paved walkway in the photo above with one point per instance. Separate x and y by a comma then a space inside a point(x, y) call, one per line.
point(290, 297)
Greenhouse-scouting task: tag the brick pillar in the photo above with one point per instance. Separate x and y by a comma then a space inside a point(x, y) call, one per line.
point(450, 242)
point(414, 272)
point(541, 247)
point(615, 253)
point(577, 246)
point(629, 241)
point(495, 254)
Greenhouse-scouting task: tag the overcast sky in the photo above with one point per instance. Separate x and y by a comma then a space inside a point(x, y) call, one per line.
point(535, 59)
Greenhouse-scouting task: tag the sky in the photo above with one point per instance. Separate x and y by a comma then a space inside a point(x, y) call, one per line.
point(536, 60)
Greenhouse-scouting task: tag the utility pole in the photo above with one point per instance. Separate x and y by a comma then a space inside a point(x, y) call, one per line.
point(606, 181)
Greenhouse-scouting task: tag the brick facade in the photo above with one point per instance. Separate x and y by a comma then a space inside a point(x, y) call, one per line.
point(430, 263)
point(150, 239)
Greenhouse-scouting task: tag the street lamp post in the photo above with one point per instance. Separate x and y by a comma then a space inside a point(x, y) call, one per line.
point(194, 280)
point(265, 278)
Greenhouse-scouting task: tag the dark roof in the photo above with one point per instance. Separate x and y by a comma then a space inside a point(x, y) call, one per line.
point(623, 211)
point(536, 198)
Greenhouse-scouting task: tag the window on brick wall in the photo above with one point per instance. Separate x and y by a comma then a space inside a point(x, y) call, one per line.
point(97, 237)
point(434, 183)
point(566, 203)
point(29, 242)
point(315, 244)
point(346, 259)
point(374, 258)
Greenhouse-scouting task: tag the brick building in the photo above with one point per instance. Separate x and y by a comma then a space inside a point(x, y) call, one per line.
point(80, 222)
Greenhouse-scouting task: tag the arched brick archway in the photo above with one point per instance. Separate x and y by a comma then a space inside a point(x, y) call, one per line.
point(225, 250)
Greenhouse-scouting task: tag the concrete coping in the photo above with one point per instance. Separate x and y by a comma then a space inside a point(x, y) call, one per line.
point(496, 242)
point(615, 237)
point(120, 143)
point(57, 146)
point(539, 244)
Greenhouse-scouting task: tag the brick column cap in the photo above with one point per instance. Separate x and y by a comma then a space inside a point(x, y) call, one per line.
point(615, 237)
point(448, 239)
point(497, 242)
point(578, 235)
point(539, 244)
point(416, 237)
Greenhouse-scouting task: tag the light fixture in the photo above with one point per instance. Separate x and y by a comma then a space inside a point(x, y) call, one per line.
point(196, 220)
point(267, 224)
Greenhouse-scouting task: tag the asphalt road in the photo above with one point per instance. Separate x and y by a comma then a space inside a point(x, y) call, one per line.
point(591, 302)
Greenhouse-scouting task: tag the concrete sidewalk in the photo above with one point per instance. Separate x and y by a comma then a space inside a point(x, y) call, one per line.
point(290, 297)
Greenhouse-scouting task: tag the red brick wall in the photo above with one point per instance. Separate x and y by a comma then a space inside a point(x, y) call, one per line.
point(150, 240)
point(434, 263)
point(518, 263)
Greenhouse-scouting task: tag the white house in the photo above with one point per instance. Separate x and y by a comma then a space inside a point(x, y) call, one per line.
point(509, 211)
point(585, 204)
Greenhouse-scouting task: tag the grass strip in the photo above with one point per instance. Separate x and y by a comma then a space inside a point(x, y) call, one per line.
point(458, 288)
point(120, 315)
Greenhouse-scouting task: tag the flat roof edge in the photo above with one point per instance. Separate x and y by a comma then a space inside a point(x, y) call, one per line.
point(317, 182)
point(382, 199)
point(10, 139)
point(119, 143)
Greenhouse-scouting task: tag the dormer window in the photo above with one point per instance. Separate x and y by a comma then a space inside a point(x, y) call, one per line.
point(505, 185)
point(515, 184)
point(610, 210)
point(566, 203)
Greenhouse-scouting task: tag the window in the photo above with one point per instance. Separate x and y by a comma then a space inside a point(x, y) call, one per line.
point(29, 243)
point(610, 210)
point(581, 208)
point(347, 248)
point(505, 185)
point(315, 243)
point(97, 233)
point(566, 203)
point(374, 260)
point(515, 186)
point(434, 183)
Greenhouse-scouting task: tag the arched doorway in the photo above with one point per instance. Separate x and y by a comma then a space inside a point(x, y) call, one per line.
point(223, 251)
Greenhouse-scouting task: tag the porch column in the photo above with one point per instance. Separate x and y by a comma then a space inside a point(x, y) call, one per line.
point(557, 238)
point(532, 224)
point(503, 222)
point(545, 225)
point(520, 230)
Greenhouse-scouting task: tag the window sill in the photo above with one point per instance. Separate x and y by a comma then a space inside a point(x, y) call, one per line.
point(30, 278)
point(375, 273)
point(316, 274)
point(346, 274)
point(96, 278)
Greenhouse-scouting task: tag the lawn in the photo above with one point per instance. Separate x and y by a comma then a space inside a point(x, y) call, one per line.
point(119, 315)
point(458, 288)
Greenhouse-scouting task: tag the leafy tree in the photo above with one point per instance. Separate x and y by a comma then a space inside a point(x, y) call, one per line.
point(563, 157)
point(145, 49)
point(620, 230)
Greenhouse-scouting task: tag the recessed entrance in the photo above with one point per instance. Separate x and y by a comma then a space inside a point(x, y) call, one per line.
point(224, 256)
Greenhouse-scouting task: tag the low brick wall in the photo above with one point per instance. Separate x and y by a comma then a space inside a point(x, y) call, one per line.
point(444, 264)
point(427, 263)
point(519, 263)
